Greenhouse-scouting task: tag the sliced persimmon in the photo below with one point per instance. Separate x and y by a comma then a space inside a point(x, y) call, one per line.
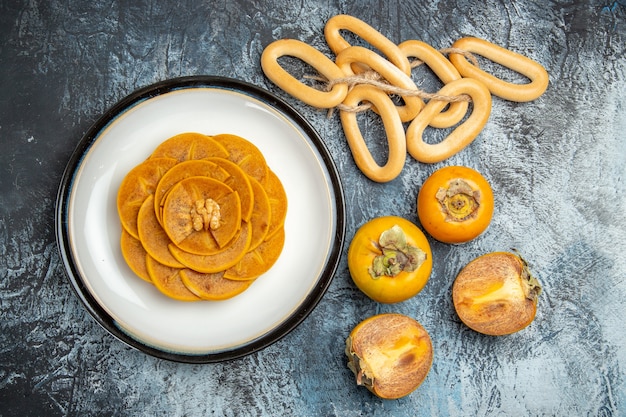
point(261, 212)
point(213, 287)
point(240, 182)
point(182, 170)
point(278, 202)
point(217, 262)
point(153, 237)
point(168, 281)
point(190, 145)
point(201, 215)
point(135, 255)
point(259, 260)
point(137, 185)
point(245, 154)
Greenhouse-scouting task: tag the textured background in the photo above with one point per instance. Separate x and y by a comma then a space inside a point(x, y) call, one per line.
point(556, 164)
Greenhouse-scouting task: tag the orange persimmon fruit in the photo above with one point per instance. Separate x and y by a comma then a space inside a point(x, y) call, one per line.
point(389, 259)
point(495, 294)
point(390, 354)
point(455, 204)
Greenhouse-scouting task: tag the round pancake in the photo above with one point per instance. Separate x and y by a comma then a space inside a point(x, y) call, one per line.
point(168, 281)
point(278, 203)
point(135, 255)
point(245, 154)
point(261, 214)
point(190, 145)
point(213, 287)
point(258, 261)
point(153, 237)
point(137, 185)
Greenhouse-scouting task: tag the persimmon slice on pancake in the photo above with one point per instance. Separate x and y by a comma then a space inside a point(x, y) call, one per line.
point(245, 154)
point(240, 182)
point(191, 145)
point(136, 186)
point(153, 237)
point(259, 260)
point(168, 281)
point(201, 212)
point(213, 287)
point(261, 212)
point(135, 255)
point(217, 262)
point(278, 202)
point(182, 170)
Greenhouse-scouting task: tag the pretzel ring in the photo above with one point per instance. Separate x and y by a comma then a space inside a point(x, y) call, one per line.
point(394, 130)
point(358, 54)
point(462, 135)
point(446, 72)
point(313, 57)
point(337, 43)
point(509, 91)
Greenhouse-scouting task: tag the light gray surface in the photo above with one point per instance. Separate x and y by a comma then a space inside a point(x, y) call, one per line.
point(556, 165)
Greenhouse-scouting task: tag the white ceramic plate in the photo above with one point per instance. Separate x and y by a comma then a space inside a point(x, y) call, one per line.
point(88, 227)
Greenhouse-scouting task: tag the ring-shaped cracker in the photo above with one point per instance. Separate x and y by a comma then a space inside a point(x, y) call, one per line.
point(345, 22)
point(313, 57)
point(536, 73)
point(462, 135)
point(396, 140)
point(412, 103)
point(445, 71)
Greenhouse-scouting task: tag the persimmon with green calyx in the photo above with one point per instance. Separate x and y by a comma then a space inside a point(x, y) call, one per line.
point(455, 204)
point(389, 259)
point(495, 294)
point(390, 354)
